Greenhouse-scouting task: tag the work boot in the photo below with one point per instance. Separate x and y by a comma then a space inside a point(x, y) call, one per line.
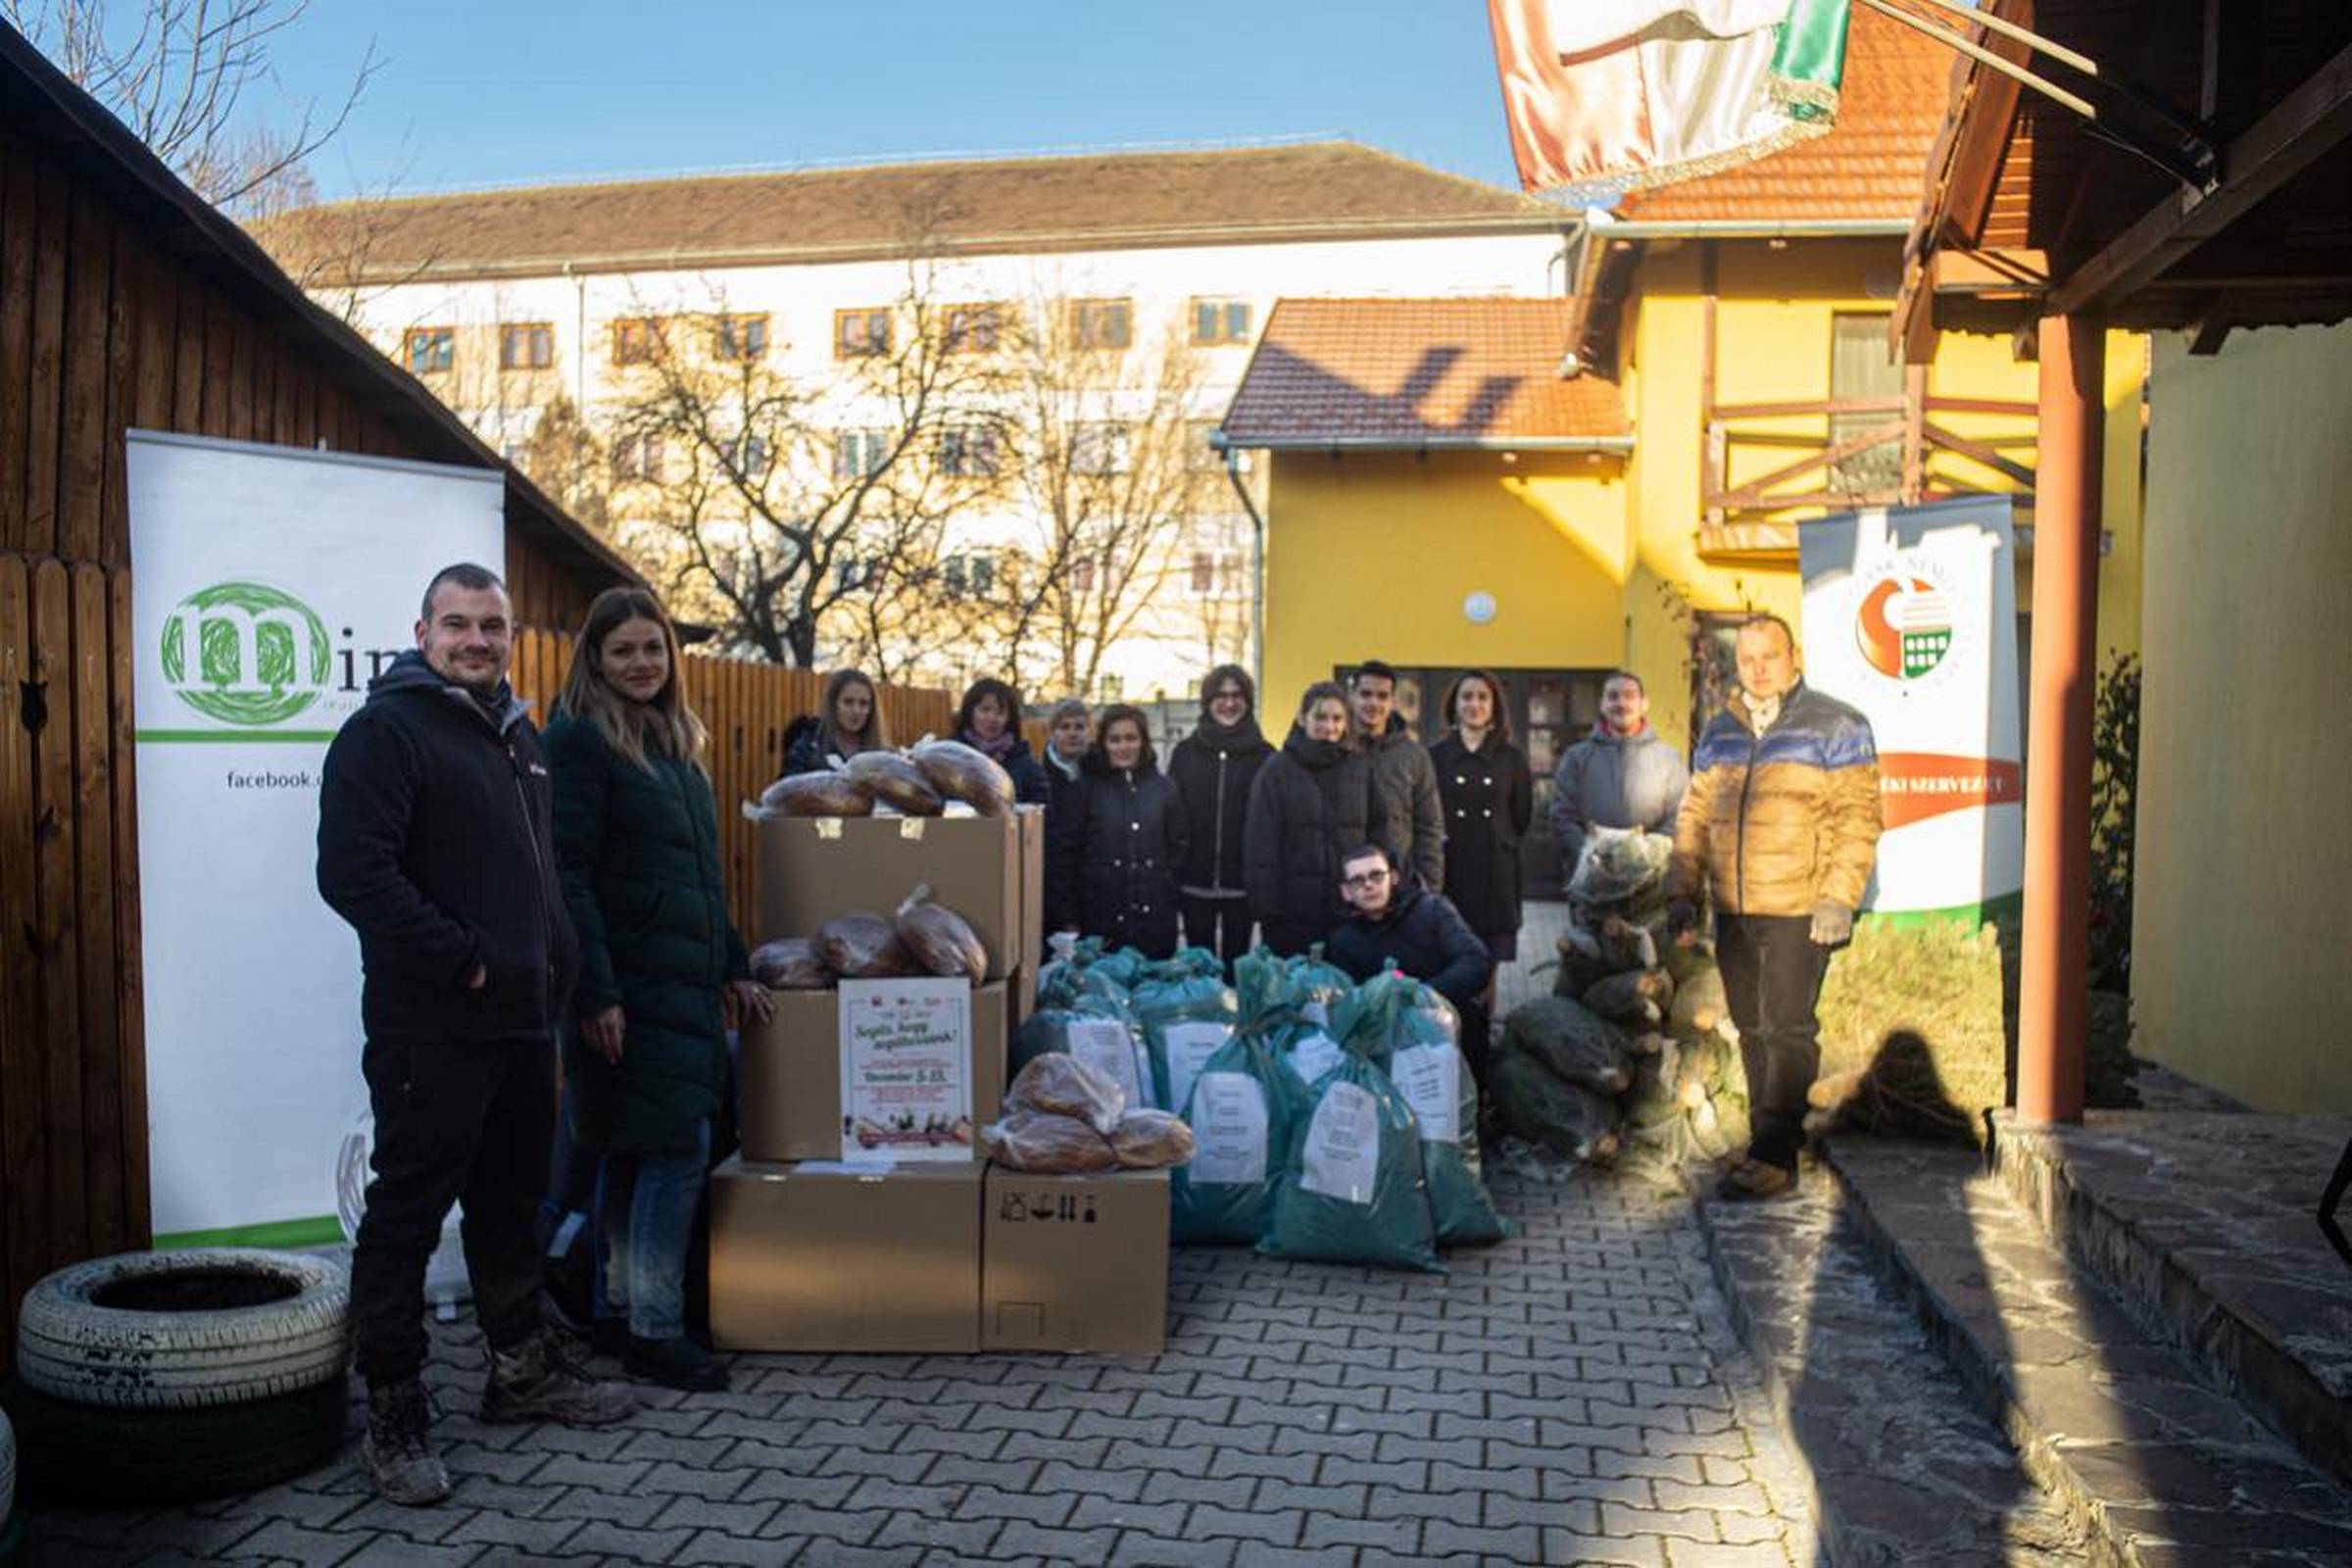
point(399, 1446)
point(536, 1380)
point(1755, 1180)
point(610, 1336)
point(677, 1363)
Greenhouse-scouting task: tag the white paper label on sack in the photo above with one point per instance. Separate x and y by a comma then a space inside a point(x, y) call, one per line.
point(1341, 1156)
point(1104, 1045)
point(1310, 1056)
point(1229, 1129)
point(1430, 1077)
point(1190, 1046)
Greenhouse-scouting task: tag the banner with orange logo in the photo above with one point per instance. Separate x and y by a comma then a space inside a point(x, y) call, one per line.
point(1910, 615)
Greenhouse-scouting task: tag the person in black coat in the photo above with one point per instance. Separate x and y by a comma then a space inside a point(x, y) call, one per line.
point(1215, 768)
point(1489, 798)
point(663, 975)
point(989, 721)
point(1311, 801)
point(1395, 923)
point(1069, 727)
point(849, 721)
point(1133, 839)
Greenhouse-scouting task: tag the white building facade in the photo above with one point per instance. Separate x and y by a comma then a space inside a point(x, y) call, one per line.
point(503, 303)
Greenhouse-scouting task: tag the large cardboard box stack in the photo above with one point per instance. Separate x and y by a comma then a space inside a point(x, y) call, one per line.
point(835, 1232)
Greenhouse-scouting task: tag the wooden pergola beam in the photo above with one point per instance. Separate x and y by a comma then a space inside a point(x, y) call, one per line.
point(2304, 127)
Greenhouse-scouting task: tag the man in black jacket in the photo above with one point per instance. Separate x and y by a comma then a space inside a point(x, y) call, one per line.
point(1408, 781)
point(435, 843)
point(1399, 924)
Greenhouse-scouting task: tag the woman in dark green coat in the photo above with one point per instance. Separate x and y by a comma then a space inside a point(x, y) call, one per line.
point(662, 977)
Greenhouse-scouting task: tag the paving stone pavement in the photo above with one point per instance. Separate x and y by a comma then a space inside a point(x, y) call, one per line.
point(1574, 1396)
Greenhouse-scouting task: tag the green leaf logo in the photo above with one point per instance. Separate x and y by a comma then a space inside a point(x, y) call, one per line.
point(246, 654)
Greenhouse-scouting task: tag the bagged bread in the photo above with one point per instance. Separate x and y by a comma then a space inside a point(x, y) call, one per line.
point(889, 780)
point(962, 772)
point(864, 947)
point(1151, 1140)
point(1043, 1144)
point(825, 794)
point(1064, 1085)
point(791, 964)
point(942, 941)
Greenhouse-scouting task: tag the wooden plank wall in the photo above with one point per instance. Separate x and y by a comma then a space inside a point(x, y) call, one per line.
point(73, 1057)
point(746, 707)
point(101, 332)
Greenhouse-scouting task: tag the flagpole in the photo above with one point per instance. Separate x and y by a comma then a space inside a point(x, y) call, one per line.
point(1986, 57)
point(2009, 29)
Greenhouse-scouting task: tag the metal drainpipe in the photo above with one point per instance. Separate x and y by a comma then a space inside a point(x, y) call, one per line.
point(1258, 572)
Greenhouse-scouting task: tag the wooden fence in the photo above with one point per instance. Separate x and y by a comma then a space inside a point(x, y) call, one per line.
point(746, 708)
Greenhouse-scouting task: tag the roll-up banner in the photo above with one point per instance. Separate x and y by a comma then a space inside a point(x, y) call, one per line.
point(270, 584)
point(1910, 615)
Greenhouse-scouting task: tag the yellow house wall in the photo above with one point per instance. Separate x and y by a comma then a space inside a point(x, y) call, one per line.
point(2243, 856)
point(1372, 555)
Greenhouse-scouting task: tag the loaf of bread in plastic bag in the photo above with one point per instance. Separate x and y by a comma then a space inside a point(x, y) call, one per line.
point(890, 779)
point(964, 773)
point(864, 947)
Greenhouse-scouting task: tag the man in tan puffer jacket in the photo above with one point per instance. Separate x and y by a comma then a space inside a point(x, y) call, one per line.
point(1779, 829)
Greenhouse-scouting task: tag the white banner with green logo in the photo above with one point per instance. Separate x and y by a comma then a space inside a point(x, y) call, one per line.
point(1910, 615)
point(270, 584)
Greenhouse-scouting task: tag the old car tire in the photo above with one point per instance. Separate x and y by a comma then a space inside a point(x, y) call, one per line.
point(82, 1455)
point(8, 1470)
point(181, 1330)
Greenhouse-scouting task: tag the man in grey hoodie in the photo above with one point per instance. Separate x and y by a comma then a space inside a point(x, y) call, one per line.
point(1621, 775)
point(1407, 779)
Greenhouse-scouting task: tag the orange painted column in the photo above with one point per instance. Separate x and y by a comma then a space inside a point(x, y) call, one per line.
point(2054, 976)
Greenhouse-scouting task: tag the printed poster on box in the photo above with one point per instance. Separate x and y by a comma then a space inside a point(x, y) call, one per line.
point(905, 1069)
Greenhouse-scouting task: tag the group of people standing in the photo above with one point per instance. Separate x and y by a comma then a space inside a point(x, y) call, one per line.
point(519, 898)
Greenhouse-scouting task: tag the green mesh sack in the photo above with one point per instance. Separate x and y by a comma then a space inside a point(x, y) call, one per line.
point(1261, 984)
point(1351, 1189)
point(1124, 969)
point(1413, 1034)
point(1315, 978)
point(1240, 1116)
point(1187, 1014)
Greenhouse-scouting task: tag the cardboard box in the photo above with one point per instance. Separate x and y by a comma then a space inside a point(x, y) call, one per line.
point(1075, 1262)
point(1020, 995)
point(823, 1256)
point(812, 868)
point(1033, 887)
point(788, 1073)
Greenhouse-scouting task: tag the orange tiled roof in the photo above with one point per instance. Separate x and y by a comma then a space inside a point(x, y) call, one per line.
point(1873, 164)
point(1411, 372)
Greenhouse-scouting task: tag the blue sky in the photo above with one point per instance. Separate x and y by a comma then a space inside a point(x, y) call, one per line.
point(514, 91)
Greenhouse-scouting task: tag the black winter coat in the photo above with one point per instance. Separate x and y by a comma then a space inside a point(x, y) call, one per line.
point(1488, 799)
point(434, 842)
point(1133, 840)
point(1215, 770)
point(1029, 786)
point(639, 852)
point(1311, 803)
point(804, 747)
point(1422, 934)
point(1065, 843)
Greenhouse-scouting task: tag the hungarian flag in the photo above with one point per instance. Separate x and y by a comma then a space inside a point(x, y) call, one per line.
point(1606, 96)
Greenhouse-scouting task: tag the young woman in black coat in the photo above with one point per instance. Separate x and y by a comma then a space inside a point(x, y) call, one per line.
point(1487, 797)
point(1133, 840)
point(989, 721)
point(1069, 731)
point(850, 721)
point(1215, 767)
point(1311, 803)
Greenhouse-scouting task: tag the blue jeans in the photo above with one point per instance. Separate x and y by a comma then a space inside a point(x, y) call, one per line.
point(648, 1203)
